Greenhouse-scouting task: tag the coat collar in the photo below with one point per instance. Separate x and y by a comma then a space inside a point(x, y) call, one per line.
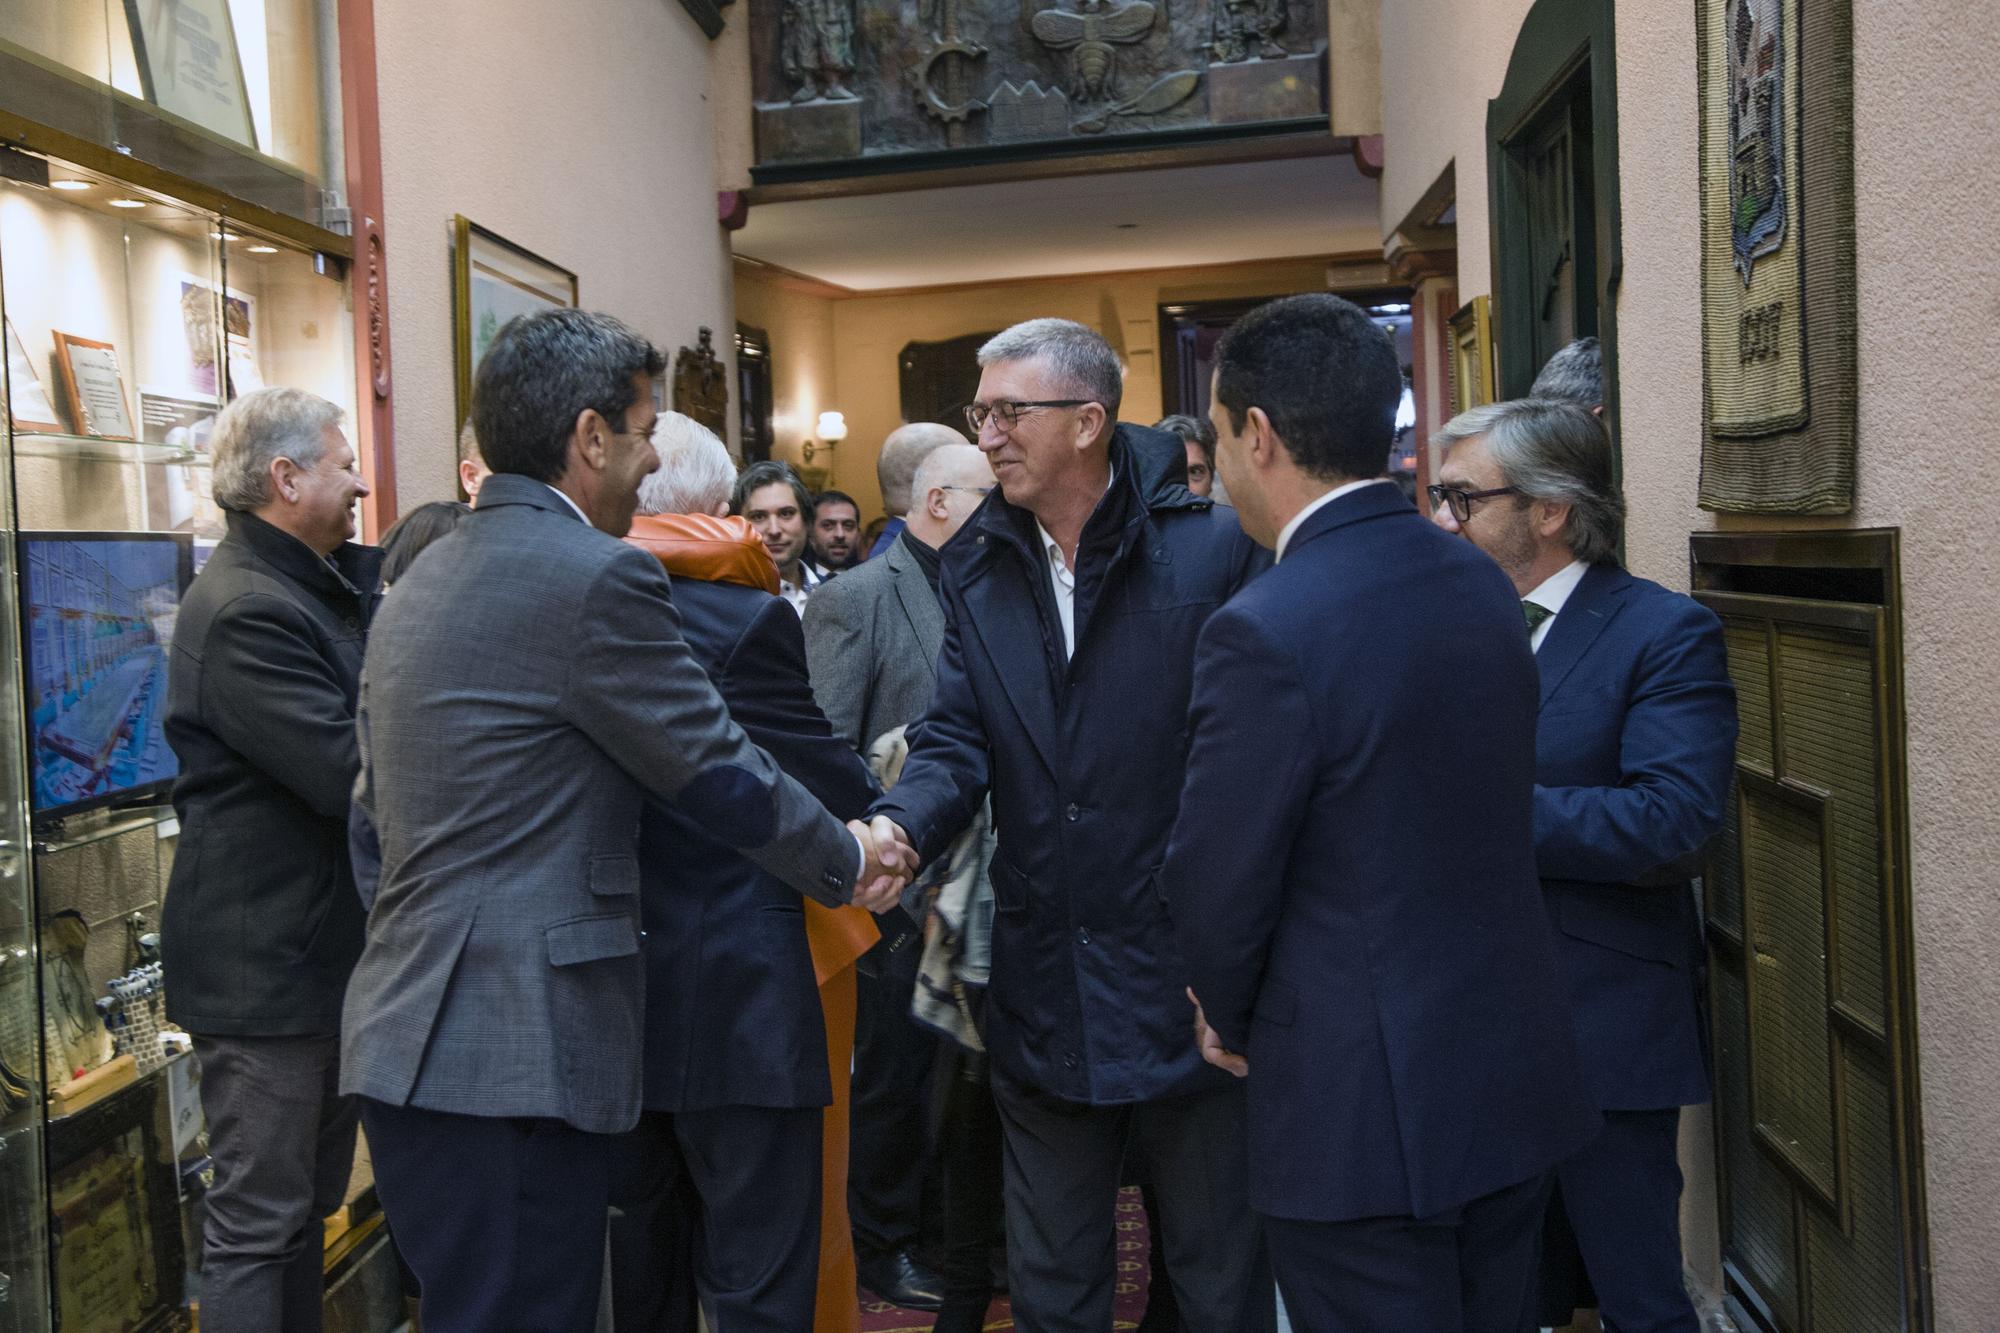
point(353, 570)
point(1597, 599)
point(919, 599)
point(1149, 476)
point(511, 488)
point(1357, 506)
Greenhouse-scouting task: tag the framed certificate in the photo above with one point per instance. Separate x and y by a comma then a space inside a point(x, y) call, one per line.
point(94, 386)
point(28, 404)
point(189, 64)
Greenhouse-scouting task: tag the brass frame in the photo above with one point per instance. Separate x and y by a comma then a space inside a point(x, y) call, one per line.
point(1472, 354)
point(463, 232)
point(1716, 558)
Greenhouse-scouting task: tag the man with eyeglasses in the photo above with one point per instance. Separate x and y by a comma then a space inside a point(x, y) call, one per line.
point(1073, 601)
point(872, 641)
point(1633, 758)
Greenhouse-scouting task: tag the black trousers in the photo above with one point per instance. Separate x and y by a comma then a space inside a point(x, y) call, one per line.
point(724, 1202)
point(888, 1116)
point(1062, 1168)
point(969, 1160)
point(1615, 1216)
point(1470, 1269)
point(502, 1220)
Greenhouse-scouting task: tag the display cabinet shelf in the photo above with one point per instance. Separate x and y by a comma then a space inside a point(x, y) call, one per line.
point(91, 449)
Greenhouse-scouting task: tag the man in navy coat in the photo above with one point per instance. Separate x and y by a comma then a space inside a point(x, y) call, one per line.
point(1352, 876)
point(1072, 601)
point(1632, 767)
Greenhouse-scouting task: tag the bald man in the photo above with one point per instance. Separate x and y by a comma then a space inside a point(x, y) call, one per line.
point(896, 469)
point(872, 649)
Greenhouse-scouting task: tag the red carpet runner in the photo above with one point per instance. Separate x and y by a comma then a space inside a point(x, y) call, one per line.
point(1128, 1306)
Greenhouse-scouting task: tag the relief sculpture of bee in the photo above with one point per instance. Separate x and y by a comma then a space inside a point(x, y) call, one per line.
point(1089, 37)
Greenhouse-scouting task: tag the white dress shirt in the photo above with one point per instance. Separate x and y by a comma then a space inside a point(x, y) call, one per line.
point(796, 593)
point(576, 508)
point(1285, 537)
point(1551, 595)
point(1063, 580)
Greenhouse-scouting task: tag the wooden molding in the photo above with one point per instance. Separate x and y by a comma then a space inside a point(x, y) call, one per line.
point(787, 279)
point(361, 123)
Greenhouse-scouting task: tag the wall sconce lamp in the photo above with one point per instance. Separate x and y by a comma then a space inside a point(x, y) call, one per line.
point(831, 430)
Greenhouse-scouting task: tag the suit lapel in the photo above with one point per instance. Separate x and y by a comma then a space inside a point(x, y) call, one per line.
point(1589, 609)
point(920, 602)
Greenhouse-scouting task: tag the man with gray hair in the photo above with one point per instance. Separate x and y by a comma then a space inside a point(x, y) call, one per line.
point(1575, 374)
point(1073, 601)
point(261, 924)
point(1634, 752)
point(896, 467)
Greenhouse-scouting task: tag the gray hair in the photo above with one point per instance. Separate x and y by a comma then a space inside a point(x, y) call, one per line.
point(1575, 374)
point(1552, 450)
point(902, 453)
point(696, 472)
point(258, 428)
point(1080, 357)
point(468, 443)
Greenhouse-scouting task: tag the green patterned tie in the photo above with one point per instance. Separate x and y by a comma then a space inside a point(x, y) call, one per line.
point(1536, 614)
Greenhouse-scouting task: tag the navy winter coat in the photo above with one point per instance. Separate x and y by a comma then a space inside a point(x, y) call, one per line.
point(1084, 762)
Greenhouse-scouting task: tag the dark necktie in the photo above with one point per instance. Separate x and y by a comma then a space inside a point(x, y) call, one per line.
point(1536, 614)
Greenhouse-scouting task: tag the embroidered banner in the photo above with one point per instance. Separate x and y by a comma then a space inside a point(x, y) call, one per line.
point(1778, 309)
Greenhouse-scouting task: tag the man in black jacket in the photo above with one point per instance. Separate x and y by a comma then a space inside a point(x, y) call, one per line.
point(262, 925)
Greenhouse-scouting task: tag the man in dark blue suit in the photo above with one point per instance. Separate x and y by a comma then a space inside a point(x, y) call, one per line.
point(723, 1173)
point(1352, 876)
point(1632, 766)
point(1072, 601)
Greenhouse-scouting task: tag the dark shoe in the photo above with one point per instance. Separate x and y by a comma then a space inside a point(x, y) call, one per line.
point(898, 1278)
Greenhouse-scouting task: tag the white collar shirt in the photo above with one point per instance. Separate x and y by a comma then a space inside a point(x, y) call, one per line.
point(1062, 579)
point(796, 593)
point(1552, 594)
point(575, 508)
point(1298, 519)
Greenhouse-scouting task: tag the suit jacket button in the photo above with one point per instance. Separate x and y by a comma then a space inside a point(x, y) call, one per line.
point(1082, 935)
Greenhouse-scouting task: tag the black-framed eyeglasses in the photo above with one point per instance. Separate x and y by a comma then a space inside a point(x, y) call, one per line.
point(976, 490)
point(1009, 413)
point(1460, 501)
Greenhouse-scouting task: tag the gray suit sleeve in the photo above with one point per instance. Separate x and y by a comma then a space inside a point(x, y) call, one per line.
point(635, 689)
point(840, 655)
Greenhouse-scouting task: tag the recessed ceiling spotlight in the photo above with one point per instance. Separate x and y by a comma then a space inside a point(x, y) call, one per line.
point(263, 249)
point(69, 185)
point(127, 203)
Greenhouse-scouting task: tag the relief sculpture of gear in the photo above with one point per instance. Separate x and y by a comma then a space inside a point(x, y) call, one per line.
point(950, 106)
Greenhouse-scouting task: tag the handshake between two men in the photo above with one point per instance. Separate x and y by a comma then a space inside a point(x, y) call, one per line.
point(889, 863)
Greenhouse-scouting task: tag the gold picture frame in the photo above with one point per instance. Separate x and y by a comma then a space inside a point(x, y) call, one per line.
point(93, 385)
point(492, 281)
point(1472, 355)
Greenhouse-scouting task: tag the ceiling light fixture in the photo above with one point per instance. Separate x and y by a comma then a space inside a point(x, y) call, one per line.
point(69, 185)
point(128, 203)
point(263, 249)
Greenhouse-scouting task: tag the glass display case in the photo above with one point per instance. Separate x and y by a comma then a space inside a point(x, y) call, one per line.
point(130, 319)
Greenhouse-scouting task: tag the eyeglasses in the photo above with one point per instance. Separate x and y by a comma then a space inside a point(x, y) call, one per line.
point(1460, 502)
point(976, 490)
point(1009, 413)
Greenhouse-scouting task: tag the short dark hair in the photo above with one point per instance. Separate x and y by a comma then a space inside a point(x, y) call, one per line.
point(770, 472)
point(835, 497)
point(1191, 430)
point(1575, 374)
point(409, 535)
point(541, 373)
point(1324, 374)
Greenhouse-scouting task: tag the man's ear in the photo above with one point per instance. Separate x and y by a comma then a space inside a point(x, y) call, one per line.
point(285, 479)
point(1091, 419)
point(590, 437)
point(1551, 517)
point(936, 503)
point(1263, 438)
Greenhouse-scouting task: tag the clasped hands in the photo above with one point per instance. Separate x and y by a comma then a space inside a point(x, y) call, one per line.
point(890, 863)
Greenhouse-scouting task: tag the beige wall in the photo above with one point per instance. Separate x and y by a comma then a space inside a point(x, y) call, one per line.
point(1924, 109)
point(581, 132)
point(840, 353)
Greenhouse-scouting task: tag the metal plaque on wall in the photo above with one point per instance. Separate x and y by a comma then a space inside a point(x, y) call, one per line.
point(839, 80)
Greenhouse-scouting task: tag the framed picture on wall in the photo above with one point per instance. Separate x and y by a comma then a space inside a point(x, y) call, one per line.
point(1472, 355)
point(28, 404)
point(492, 281)
point(94, 386)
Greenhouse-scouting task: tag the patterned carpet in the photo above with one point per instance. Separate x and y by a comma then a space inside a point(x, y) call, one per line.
point(1130, 1303)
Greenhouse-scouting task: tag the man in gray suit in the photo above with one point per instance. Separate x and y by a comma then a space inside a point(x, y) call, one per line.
point(526, 691)
point(873, 651)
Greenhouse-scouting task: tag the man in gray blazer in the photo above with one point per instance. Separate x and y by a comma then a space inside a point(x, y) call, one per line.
point(524, 691)
point(873, 648)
